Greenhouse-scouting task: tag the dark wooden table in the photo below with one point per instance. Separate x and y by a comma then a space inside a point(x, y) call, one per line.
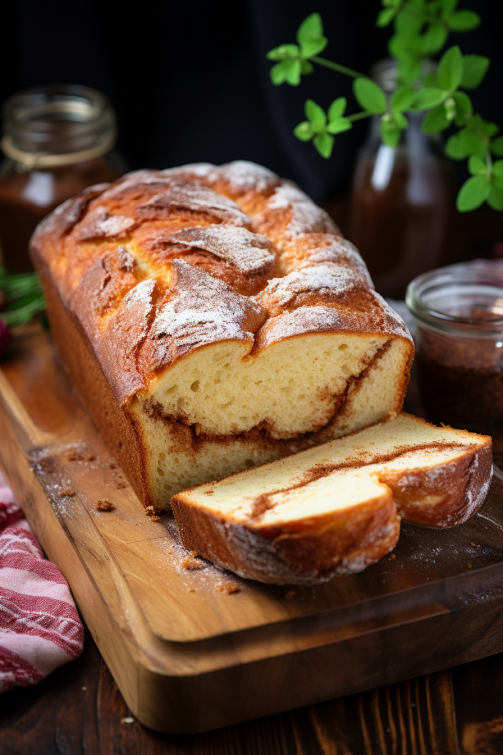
point(79, 709)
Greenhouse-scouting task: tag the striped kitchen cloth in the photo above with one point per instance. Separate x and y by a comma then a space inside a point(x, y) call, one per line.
point(40, 628)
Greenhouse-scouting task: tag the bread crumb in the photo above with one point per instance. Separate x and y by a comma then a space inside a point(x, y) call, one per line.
point(84, 689)
point(469, 565)
point(155, 518)
point(393, 555)
point(104, 504)
point(66, 491)
point(228, 587)
point(79, 456)
point(191, 562)
point(289, 595)
point(127, 720)
point(473, 545)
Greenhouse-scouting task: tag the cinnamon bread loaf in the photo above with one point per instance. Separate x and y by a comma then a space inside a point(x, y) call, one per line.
point(212, 319)
point(336, 508)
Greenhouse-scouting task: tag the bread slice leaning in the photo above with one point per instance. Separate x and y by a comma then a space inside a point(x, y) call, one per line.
point(336, 508)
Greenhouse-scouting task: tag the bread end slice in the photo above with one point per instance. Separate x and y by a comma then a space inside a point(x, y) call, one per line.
point(336, 508)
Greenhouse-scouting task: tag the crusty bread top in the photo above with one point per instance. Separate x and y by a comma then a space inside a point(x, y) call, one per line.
point(161, 263)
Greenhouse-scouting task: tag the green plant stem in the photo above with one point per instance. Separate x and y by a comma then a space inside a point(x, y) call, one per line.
point(337, 67)
point(359, 116)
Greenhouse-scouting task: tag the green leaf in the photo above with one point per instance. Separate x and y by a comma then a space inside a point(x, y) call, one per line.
point(315, 115)
point(498, 173)
point(435, 120)
point(408, 70)
point(495, 198)
point(473, 193)
point(390, 133)
point(476, 166)
point(306, 67)
point(428, 97)
point(303, 131)
point(448, 6)
point(339, 125)
point(369, 95)
point(450, 69)
point(324, 143)
point(433, 39)
point(311, 47)
point(397, 47)
point(286, 70)
point(430, 79)
point(385, 16)
point(400, 120)
point(403, 98)
point(497, 146)
point(408, 24)
point(312, 26)
point(284, 52)
point(464, 20)
point(464, 107)
point(463, 144)
point(337, 108)
point(474, 69)
point(479, 126)
point(310, 36)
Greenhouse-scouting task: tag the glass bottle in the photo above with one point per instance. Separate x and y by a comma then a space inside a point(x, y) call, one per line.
point(402, 201)
point(57, 141)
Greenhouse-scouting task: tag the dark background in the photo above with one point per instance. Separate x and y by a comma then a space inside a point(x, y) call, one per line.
point(189, 80)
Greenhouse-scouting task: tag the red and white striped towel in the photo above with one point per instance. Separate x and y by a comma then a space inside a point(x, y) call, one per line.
point(40, 628)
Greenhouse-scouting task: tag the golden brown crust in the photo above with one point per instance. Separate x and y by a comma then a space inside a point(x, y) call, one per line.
point(446, 499)
point(232, 226)
point(302, 552)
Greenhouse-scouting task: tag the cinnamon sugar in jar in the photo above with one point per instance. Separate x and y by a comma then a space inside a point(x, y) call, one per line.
point(458, 312)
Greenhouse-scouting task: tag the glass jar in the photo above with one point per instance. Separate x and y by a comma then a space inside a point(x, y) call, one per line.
point(458, 312)
point(57, 141)
point(402, 201)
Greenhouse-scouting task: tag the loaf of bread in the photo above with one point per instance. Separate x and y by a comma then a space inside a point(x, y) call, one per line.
point(336, 508)
point(214, 318)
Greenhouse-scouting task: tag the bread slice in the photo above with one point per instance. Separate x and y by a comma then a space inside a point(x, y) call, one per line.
point(336, 508)
point(212, 318)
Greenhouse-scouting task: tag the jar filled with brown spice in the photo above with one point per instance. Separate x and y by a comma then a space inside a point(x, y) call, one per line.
point(458, 313)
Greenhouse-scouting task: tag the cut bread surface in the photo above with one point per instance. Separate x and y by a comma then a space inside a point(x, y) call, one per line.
point(230, 320)
point(336, 508)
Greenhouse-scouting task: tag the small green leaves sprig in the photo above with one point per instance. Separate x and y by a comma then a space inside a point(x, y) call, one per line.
point(22, 297)
point(421, 29)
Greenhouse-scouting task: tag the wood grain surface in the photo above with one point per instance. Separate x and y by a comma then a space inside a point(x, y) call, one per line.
point(80, 710)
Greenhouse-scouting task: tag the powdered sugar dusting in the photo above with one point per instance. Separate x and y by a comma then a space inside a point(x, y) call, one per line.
point(243, 176)
point(338, 251)
point(126, 261)
point(140, 293)
point(182, 194)
point(203, 310)
point(99, 224)
point(322, 279)
point(306, 217)
point(250, 252)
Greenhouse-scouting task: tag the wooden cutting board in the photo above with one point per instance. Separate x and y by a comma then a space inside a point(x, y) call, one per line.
point(197, 649)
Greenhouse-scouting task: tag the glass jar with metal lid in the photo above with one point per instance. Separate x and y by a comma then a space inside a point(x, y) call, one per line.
point(57, 141)
point(458, 313)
